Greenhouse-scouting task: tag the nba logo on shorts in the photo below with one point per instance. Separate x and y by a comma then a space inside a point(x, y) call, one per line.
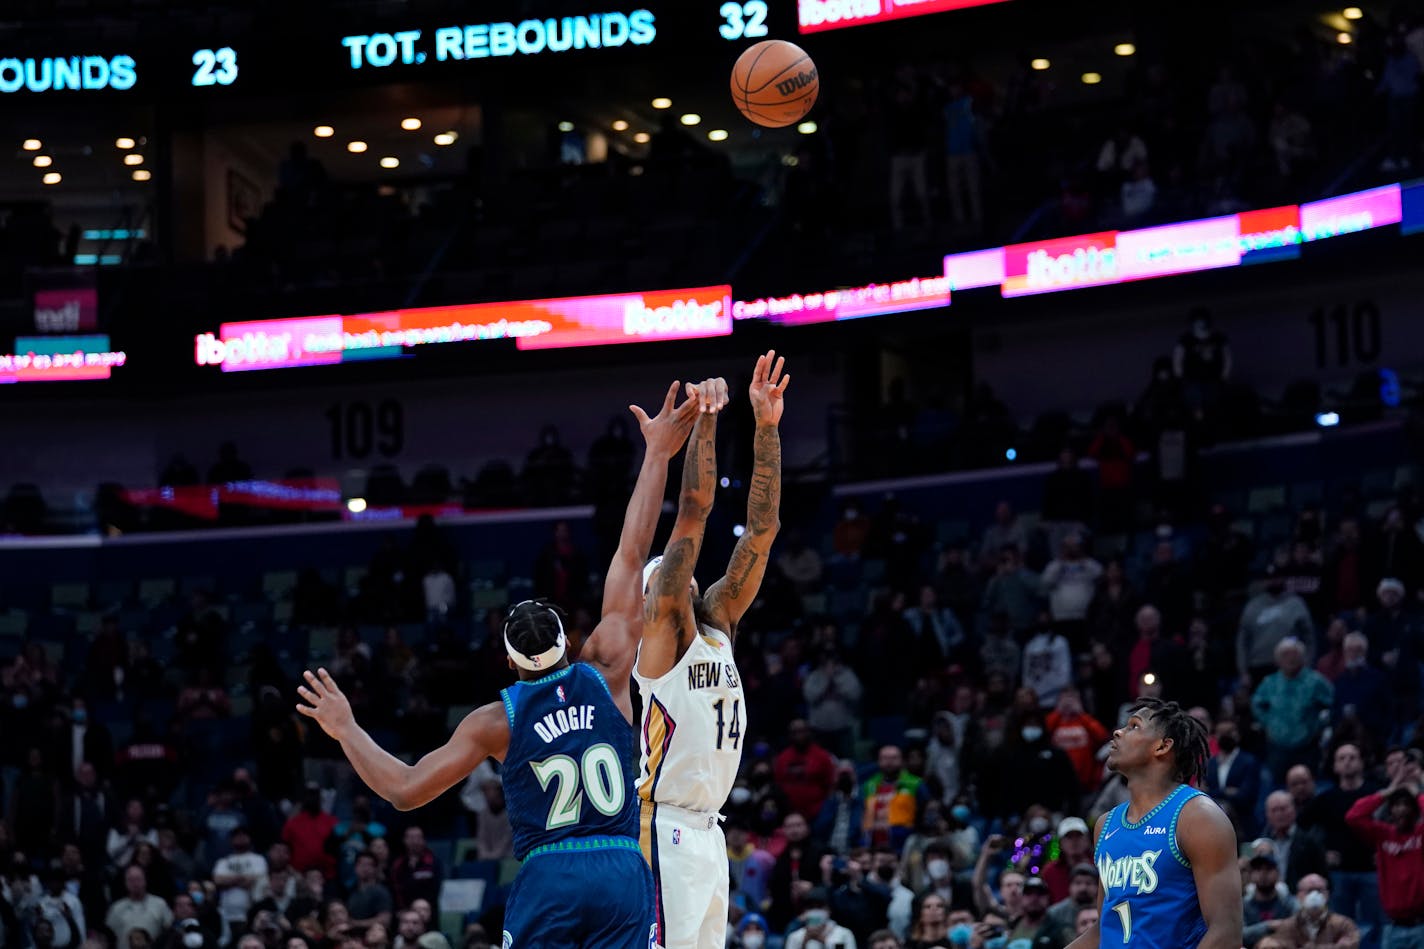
point(676, 835)
point(563, 699)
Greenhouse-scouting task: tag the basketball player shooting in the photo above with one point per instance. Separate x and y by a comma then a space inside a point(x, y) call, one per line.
point(693, 701)
point(1167, 856)
point(565, 735)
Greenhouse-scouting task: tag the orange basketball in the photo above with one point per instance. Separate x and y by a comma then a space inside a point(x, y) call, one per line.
point(774, 83)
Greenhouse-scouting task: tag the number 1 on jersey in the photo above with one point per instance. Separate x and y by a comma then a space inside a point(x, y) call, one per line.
point(733, 734)
point(1124, 913)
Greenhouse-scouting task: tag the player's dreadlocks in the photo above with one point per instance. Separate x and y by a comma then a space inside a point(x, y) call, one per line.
point(534, 625)
point(1188, 736)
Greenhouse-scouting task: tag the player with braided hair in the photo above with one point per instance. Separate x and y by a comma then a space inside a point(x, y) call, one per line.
point(1167, 856)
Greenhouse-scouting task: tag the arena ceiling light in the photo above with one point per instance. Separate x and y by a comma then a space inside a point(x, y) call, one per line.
point(1124, 49)
point(356, 147)
point(142, 174)
point(411, 124)
point(566, 126)
point(807, 128)
point(43, 161)
point(691, 118)
point(323, 131)
point(446, 138)
point(620, 126)
point(123, 144)
point(356, 505)
point(31, 145)
point(662, 102)
point(642, 138)
point(133, 158)
point(1091, 78)
point(1344, 39)
point(717, 135)
point(390, 161)
point(53, 178)
point(1354, 13)
point(1040, 64)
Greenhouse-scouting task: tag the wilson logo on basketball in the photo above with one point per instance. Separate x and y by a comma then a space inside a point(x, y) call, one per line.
point(799, 81)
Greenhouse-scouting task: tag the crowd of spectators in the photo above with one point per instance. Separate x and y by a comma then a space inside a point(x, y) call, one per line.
point(922, 770)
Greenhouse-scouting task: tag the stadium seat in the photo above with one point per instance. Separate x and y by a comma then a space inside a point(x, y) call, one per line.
point(112, 594)
point(1262, 500)
point(153, 592)
point(278, 585)
point(69, 596)
point(13, 625)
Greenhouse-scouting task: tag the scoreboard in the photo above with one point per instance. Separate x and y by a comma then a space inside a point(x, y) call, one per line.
point(335, 51)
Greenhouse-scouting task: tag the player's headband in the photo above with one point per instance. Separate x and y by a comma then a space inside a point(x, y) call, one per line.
point(545, 659)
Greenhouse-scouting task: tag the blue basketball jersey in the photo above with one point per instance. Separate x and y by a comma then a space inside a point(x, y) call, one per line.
point(1149, 893)
point(569, 770)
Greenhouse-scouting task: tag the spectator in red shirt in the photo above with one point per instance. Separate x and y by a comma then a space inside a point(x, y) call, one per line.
point(306, 832)
point(805, 771)
point(1075, 848)
point(1079, 735)
point(1399, 859)
point(417, 874)
point(1115, 455)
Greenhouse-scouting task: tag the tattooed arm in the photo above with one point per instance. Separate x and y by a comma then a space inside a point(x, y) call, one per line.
point(730, 597)
point(668, 624)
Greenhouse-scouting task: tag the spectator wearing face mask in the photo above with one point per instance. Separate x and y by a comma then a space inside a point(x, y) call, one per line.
point(1313, 926)
point(938, 872)
point(1028, 770)
point(842, 814)
point(900, 898)
point(1233, 778)
point(818, 930)
point(750, 934)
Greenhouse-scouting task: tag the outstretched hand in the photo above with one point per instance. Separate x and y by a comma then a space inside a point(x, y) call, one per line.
point(326, 704)
point(710, 395)
point(767, 388)
point(666, 432)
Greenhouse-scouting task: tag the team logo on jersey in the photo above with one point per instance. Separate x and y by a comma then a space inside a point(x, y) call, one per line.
point(653, 936)
point(676, 836)
point(563, 699)
point(1135, 873)
point(508, 940)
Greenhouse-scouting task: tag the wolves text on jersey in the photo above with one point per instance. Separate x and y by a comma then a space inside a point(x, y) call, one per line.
point(1130, 872)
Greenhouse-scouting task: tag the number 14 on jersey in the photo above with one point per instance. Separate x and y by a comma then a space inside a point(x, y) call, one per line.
point(731, 732)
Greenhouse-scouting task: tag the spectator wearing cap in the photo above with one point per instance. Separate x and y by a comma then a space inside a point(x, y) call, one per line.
point(306, 832)
point(1082, 894)
point(1266, 897)
point(1398, 843)
point(1270, 616)
point(1394, 633)
point(1079, 736)
point(1312, 926)
point(1299, 852)
point(805, 771)
point(1362, 691)
point(1075, 848)
point(817, 926)
point(1292, 705)
point(1034, 925)
point(751, 932)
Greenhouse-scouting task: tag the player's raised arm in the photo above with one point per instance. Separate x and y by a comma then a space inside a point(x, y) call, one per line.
point(730, 597)
point(484, 733)
point(613, 643)
point(1209, 843)
point(668, 623)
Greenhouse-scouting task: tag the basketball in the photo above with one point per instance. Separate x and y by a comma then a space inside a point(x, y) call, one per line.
point(774, 83)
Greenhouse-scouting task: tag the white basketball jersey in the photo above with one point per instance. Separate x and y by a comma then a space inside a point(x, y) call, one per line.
point(694, 721)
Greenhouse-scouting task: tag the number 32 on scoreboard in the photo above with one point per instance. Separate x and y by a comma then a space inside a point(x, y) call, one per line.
point(743, 20)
